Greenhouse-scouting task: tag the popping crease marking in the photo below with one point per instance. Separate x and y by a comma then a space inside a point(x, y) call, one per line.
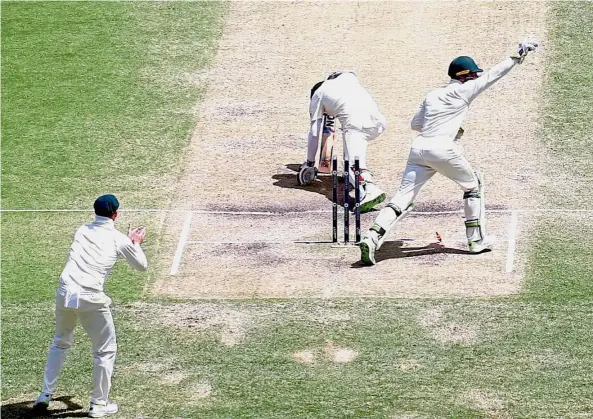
point(181, 245)
point(173, 211)
point(512, 242)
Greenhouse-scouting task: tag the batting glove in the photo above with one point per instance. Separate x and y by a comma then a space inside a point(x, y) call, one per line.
point(307, 174)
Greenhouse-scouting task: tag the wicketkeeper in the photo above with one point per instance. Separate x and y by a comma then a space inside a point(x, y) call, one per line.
point(439, 123)
point(80, 297)
point(342, 96)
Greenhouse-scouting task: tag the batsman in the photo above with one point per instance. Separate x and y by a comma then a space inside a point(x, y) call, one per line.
point(435, 149)
point(342, 96)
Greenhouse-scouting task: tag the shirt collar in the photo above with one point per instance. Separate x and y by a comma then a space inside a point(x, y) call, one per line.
point(454, 81)
point(104, 220)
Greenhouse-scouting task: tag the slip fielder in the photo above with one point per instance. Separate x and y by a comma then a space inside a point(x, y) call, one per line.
point(342, 96)
point(435, 149)
point(80, 297)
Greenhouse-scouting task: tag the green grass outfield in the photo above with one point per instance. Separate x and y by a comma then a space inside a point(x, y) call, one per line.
point(98, 96)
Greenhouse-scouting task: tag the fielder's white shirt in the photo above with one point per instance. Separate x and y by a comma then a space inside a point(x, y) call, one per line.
point(93, 253)
point(346, 99)
point(444, 109)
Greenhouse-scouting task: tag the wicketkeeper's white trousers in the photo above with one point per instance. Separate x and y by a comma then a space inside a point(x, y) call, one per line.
point(95, 317)
point(423, 164)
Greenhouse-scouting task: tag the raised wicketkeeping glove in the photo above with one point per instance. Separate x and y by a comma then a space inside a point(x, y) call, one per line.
point(524, 47)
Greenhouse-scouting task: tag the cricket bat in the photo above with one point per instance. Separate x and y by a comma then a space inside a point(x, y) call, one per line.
point(328, 138)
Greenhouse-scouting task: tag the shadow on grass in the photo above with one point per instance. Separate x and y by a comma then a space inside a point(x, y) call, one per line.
point(25, 410)
point(394, 250)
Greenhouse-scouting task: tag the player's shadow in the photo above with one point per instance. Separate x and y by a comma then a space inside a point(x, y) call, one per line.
point(395, 250)
point(322, 185)
point(25, 410)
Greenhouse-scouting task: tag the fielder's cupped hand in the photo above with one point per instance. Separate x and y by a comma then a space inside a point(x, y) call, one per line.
point(137, 234)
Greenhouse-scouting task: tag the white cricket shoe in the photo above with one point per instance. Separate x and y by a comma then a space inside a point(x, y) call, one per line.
point(42, 402)
point(373, 197)
point(101, 410)
point(368, 245)
point(483, 245)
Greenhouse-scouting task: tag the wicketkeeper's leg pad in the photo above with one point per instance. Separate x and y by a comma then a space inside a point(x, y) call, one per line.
point(387, 219)
point(475, 213)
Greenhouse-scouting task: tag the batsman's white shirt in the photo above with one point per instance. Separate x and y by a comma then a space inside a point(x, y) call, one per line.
point(346, 99)
point(94, 251)
point(444, 109)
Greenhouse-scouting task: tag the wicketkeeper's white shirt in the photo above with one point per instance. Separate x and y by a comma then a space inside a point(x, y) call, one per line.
point(444, 109)
point(94, 251)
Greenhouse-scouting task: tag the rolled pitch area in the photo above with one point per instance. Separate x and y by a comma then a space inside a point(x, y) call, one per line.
point(251, 136)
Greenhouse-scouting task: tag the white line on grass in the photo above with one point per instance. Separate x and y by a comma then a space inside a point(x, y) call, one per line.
point(181, 244)
point(512, 242)
point(271, 213)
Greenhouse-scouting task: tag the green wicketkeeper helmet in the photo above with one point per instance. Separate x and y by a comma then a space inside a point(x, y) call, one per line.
point(461, 66)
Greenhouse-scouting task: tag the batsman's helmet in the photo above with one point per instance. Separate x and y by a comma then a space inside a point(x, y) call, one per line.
point(461, 66)
point(314, 88)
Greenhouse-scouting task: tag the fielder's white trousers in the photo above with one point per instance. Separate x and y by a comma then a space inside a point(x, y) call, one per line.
point(423, 164)
point(95, 317)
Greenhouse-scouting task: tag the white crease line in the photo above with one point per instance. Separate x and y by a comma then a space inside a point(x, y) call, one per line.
point(271, 213)
point(512, 242)
point(181, 244)
point(87, 210)
point(244, 242)
point(428, 240)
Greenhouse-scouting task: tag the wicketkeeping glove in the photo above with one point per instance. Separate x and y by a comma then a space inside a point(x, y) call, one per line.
point(524, 47)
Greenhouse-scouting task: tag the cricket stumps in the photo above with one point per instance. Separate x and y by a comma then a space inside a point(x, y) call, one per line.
point(346, 202)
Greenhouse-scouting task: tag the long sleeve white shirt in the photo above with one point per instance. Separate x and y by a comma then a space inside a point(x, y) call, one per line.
point(93, 253)
point(444, 109)
point(346, 99)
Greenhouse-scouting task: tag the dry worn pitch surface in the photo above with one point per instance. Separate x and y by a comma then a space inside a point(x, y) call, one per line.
point(251, 136)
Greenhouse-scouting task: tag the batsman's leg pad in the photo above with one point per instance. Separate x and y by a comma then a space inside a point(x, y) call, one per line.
point(356, 145)
point(371, 194)
point(364, 177)
point(327, 144)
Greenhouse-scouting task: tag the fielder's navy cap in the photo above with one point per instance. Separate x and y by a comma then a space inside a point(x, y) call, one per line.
point(106, 205)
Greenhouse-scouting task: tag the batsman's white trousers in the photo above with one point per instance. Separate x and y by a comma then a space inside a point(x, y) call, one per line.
point(95, 317)
point(423, 164)
point(356, 143)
